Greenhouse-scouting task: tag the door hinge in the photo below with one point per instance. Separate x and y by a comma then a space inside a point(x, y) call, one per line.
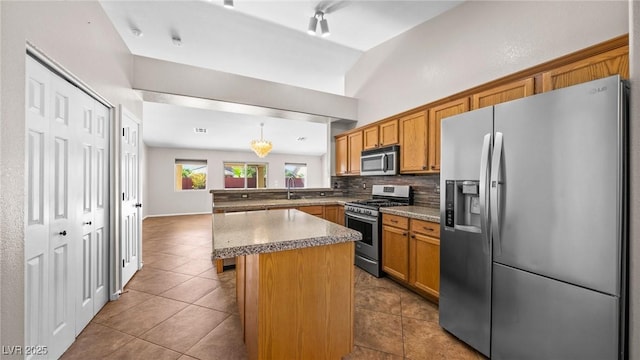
point(122, 131)
point(122, 196)
point(122, 262)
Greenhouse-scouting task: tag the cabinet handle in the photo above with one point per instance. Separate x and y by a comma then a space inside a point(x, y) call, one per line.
point(394, 221)
point(426, 228)
point(433, 167)
point(413, 236)
point(63, 233)
point(404, 233)
point(424, 168)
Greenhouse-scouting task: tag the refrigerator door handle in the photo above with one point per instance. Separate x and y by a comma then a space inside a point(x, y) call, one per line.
point(484, 192)
point(496, 167)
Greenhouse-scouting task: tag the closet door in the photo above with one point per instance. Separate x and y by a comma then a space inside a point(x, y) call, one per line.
point(130, 222)
point(52, 224)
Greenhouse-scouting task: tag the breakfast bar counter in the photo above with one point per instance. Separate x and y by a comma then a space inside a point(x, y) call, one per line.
point(294, 282)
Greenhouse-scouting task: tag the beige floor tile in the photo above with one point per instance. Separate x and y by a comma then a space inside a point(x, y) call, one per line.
point(156, 281)
point(195, 267)
point(191, 290)
point(225, 339)
point(128, 299)
point(378, 299)
point(186, 357)
point(140, 349)
point(417, 307)
point(165, 261)
point(378, 331)
point(222, 298)
point(426, 340)
point(186, 328)
point(185, 250)
point(365, 280)
point(96, 341)
point(145, 316)
point(226, 276)
point(362, 353)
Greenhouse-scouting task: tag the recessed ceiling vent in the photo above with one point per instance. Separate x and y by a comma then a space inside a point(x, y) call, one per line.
point(200, 130)
point(301, 138)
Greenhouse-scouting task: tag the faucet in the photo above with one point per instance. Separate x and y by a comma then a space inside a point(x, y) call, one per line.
point(288, 180)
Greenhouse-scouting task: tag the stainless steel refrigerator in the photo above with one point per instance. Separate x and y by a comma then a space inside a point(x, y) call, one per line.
point(534, 225)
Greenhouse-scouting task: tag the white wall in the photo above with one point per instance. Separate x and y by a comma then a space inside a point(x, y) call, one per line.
point(79, 36)
point(164, 200)
point(472, 44)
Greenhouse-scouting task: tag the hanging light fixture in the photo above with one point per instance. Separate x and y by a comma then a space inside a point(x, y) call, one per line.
point(313, 24)
point(228, 4)
point(261, 147)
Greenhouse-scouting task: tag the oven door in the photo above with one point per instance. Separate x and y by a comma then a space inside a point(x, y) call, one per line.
point(369, 227)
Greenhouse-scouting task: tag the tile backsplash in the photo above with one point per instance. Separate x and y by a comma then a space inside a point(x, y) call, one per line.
point(426, 188)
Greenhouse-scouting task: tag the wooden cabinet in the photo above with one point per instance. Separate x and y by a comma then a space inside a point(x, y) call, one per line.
point(500, 94)
point(413, 143)
point(334, 213)
point(595, 67)
point(315, 210)
point(348, 150)
point(411, 253)
point(383, 134)
point(436, 115)
point(424, 261)
point(342, 158)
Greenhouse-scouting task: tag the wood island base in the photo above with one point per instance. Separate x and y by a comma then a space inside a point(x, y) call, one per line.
point(297, 304)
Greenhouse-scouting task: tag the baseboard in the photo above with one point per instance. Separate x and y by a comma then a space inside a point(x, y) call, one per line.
point(181, 214)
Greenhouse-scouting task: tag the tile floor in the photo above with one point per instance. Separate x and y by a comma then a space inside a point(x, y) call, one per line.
point(178, 307)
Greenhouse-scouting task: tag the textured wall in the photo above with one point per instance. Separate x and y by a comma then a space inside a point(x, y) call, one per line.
point(80, 37)
point(475, 42)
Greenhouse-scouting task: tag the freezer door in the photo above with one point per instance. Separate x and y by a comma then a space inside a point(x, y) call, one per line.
point(560, 185)
point(540, 318)
point(465, 256)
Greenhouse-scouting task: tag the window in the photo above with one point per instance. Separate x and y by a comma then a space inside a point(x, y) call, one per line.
point(191, 174)
point(295, 175)
point(238, 175)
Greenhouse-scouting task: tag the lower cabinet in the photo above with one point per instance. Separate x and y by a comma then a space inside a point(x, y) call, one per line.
point(411, 253)
point(334, 213)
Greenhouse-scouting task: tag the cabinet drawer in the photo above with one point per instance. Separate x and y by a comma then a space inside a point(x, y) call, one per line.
point(425, 227)
point(395, 220)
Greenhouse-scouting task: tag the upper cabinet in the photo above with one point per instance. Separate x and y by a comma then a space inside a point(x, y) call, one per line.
point(348, 150)
point(599, 66)
point(500, 94)
point(413, 143)
point(436, 115)
point(382, 134)
point(417, 131)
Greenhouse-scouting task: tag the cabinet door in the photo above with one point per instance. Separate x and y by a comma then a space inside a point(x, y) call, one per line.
point(370, 135)
point(340, 215)
point(500, 94)
point(425, 263)
point(341, 155)
point(436, 115)
point(388, 133)
point(596, 67)
point(413, 143)
point(316, 210)
point(395, 252)
point(331, 213)
point(355, 150)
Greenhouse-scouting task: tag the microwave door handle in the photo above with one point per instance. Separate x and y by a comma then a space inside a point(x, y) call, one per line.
point(384, 163)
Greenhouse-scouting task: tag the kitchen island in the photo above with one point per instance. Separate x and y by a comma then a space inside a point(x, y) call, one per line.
point(295, 280)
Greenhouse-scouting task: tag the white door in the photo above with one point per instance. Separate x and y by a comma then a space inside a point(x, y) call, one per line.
point(51, 226)
point(130, 244)
point(92, 254)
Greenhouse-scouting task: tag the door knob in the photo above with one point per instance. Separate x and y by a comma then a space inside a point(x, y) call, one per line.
point(138, 205)
point(86, 223)
point(63, 233)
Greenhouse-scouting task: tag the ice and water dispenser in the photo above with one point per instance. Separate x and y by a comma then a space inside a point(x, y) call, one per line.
point(462, 210)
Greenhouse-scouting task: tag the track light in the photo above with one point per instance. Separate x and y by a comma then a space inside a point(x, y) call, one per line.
point(228, 4)
point(313, 24)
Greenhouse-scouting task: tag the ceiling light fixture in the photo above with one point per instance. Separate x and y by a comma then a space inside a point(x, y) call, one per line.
point(137, 32)
point(177, 41)
point(228, 4)
point(261, 147)
point(313, 24)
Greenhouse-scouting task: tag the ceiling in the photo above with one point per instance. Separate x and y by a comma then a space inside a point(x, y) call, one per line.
point(263, 39)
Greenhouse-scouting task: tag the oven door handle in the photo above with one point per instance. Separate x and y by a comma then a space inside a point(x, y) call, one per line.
point(363, 218)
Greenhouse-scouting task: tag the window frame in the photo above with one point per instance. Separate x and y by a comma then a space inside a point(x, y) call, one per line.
point(246, 165)
point(305, 178)
point(189, 162)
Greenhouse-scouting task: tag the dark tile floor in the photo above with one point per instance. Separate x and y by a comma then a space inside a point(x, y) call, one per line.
point(178, 307)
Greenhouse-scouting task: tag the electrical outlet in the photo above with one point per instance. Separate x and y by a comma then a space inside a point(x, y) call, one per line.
point(321, 194)
point(364, 185)
point(244, 196)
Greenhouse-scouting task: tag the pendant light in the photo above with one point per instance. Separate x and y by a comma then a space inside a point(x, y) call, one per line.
point(313, 24)
point(261, 147)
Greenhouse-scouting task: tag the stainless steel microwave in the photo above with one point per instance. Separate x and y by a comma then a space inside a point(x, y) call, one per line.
point(380, 161)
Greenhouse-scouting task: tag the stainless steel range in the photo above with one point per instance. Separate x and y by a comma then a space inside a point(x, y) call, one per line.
point(365, 217)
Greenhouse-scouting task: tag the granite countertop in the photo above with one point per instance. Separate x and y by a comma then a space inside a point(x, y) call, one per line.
point(414, 212)
point(245, 205)
point(273, 230)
